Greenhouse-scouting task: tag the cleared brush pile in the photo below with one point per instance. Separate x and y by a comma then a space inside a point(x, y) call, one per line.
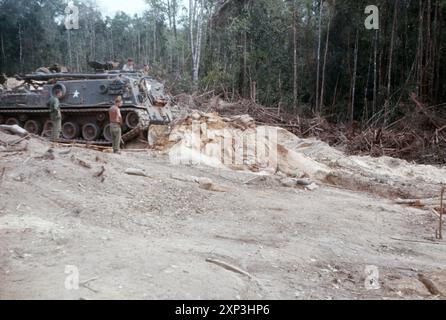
point(418, 136)
point(237, 143)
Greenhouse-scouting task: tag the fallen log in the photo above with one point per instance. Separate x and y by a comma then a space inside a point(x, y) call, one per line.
point(136, 172)
point(229, 267)
point(84, 146)
point(22, 149)
point(418, 202)
point(65, 152)
point(430, 286)
point(48, 155)
point(204, 183)
point(100, 173)
point(135, 150)
point(434, 211)
point(81, 162)
point(19, 140)
point(15, 129)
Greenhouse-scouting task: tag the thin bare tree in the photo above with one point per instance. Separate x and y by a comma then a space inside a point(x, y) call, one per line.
point(321, 102)
point(195, 22)
point(389, 71)
point(295, 84)
point(321, 3)
point(355, 71)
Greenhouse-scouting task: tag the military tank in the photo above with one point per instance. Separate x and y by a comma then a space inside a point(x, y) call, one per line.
point(86, 98)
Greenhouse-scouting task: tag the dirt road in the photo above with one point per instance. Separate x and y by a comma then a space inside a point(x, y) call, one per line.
point(134, 237)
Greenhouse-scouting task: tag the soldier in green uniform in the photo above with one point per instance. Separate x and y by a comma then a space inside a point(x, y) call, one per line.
point(115, 124)
point(55, 114)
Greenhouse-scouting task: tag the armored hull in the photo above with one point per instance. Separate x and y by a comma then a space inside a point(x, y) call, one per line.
point(85, 103)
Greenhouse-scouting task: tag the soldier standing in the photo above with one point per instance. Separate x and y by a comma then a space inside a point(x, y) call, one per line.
point(115, 124)
point(55, 114)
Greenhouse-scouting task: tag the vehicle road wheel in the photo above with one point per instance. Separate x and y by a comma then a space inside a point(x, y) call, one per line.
point(23, 118)
point(90, 132)
point(107, 133)
point(33, 126)
point(47, 129)
point(132, 120)
point(101, 117)
point(70, 130)
point(12, 122)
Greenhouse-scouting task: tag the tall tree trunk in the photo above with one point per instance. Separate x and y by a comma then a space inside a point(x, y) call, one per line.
point(321, 102)
point(70, 57)
point(174, 19)
point(175, 35)
point(195, 42)
point(437, 54)
point(295, 89)
point(245, 61)
point(199, 41)
point(420, 51)
point(112, 44)
point(375, 73)
point(78, 67)
point(365, 115)
point(428, 66)
point(154, 40)
point(169, 13)
point(321, 3)
point(20, 48)
point(93, 40)
point(191, 35)
point(254, 91)
point(279, 106)
point(353, 89)
point(138, 35)
point(389, 71)
point(335, 93)
point(3, 51)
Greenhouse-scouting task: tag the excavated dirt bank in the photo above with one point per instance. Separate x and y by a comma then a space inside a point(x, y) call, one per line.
point(149, 232)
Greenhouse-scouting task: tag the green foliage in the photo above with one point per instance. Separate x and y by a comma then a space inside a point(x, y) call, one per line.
point(216, 79)
point(246, 41)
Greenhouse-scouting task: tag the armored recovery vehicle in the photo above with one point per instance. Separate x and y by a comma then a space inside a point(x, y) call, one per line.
point(85, 103)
